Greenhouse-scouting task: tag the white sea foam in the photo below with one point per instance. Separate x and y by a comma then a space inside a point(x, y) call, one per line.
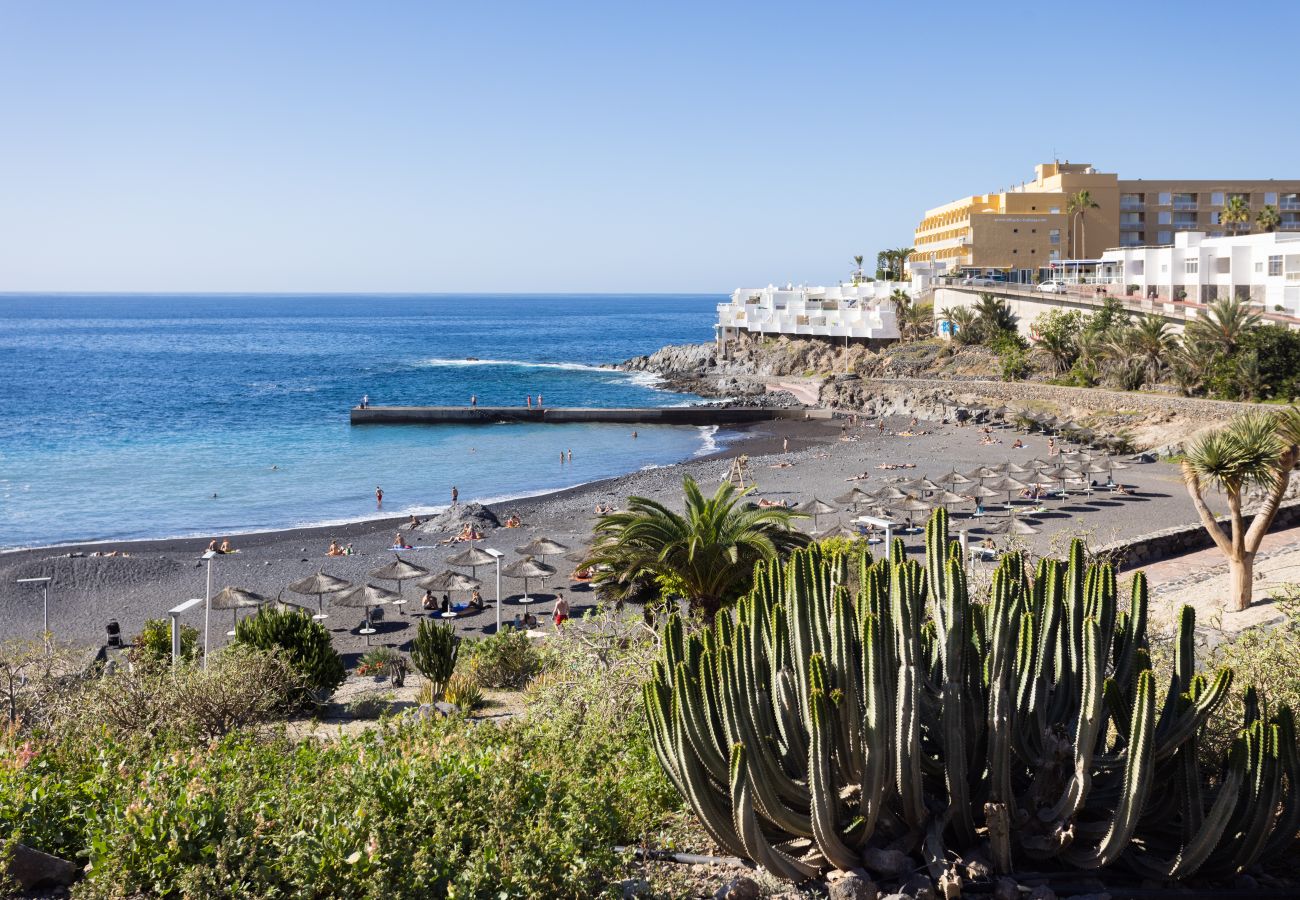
point(517, 363)
point(709, 434)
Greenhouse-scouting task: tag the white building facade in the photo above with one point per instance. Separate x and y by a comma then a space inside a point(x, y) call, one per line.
point(1261, 268)
point(850, 312)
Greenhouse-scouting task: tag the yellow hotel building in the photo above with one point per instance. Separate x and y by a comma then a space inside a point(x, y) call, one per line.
point(1020, 232)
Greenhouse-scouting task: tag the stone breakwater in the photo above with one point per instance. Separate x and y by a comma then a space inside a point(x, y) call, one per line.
point(879, 384)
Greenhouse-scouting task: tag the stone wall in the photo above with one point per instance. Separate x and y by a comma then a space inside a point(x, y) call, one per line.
point(1181, 539)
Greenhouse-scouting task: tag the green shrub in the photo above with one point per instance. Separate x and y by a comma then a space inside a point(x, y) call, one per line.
point(153, 645)
point(527, 809)
point(463, 692)
point(434, 650)
point(383, 662)
point(303, 643)
point(506, 659)
point(242, 686)
point(369, 706)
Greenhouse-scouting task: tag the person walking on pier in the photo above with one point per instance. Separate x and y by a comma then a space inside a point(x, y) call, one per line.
point(529, 401)
point(539, 399)
point(473, 400)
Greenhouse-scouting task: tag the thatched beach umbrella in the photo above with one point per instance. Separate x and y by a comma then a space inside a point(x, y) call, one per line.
point(399, 570)
point(815, 508)
point(888, 492)
point(320, 584)
point(1008, 485)
point(448, 581)
point(542, 547)
point(525, 569)
point(983, 472)
point(1015, 469)
point(948, 498)
point(921, 484)
point(472, 557)
point(854, 497)
point(364, 596)
point(912, 505)
point(955, 477)
point(1011, 525)
point(235, 599)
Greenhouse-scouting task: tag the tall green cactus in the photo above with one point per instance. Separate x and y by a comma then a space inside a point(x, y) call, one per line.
point(808, 726)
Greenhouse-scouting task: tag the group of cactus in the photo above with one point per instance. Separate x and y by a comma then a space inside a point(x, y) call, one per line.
point(816, 726)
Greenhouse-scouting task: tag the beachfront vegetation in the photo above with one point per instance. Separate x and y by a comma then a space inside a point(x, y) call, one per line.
point(507, 659)
point(1229, 353)
point(153, 645)
point(530, 807)
point(434, 651)
point(1255, 452)
point(705, 554)
point(891, 265)
point(300, 641)
point(912, 722)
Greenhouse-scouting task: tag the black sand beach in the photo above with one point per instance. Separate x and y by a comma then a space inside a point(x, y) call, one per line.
point(822, 457)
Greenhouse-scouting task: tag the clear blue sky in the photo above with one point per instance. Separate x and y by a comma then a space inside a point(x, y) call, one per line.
point(422, 146)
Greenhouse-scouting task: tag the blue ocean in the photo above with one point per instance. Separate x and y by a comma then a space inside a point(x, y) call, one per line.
point(157, 416)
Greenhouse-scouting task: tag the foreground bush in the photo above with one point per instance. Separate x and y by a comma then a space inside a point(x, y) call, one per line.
point(506, 659)
point(300, 641)
point(817, 730)
point(241, 687)
point(444, 808)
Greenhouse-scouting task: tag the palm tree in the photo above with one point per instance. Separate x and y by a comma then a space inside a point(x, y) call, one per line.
point(965, 328)
point(1125, 366)
point(1236, 213)
point(1269, 218)
point(1224, 325)
point(1075, 206)
point(898, 261)
point(1150, 341)
point(708, 552)
point(883, 264)
point(1190, 362)
point(857, 268)
point(994, 316)
point(1257, 450)
point(1060, 347)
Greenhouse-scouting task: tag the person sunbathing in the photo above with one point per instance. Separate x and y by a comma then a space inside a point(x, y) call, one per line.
point(334, 550)
point(225, 546)
point(765, 503)
point(512, 521)
point(400, 542)
point(1018, 445)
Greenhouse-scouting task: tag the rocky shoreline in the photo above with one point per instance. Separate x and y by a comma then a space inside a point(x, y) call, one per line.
point(924, 379)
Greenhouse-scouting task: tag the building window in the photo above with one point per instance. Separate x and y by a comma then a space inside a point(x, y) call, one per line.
point(1165, 217)
point(1193, 266)
point(1214, 218)
point(1216, 198)
point(1259, 268)
point(1164, 267)
point(1270, 197)
point(1165, 198)
point(1015, 231)
point(1056, 254)
point(1275, 265)
point(1136, 268)
point(1054, 236)
point(1165, 237)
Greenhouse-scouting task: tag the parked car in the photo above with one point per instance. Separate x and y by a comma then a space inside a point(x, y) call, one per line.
point(1052, 287)
point(981, 280)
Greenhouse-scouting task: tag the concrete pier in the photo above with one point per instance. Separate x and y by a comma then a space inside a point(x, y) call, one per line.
point(487, 415)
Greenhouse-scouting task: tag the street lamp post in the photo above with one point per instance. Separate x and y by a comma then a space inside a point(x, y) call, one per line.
point(497, 554)
point(208, 555)
point(44, 581)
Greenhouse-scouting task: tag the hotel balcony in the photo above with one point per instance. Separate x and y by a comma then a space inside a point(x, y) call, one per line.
point(1185, 204)
point(1132, 205)
point(1289, 203)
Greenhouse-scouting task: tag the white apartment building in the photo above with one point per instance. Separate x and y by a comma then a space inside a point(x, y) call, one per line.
point(851, 311)
point(1263, 268)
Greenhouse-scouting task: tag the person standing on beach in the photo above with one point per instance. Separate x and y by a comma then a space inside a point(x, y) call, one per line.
point(785, 445)
point(379, 496)
point(455, 495)
point(561, 614)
